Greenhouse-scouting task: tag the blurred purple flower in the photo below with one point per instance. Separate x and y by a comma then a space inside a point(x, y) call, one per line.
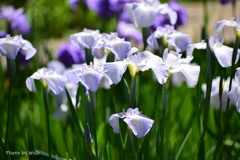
point(118, 5)
point(100, 7)
point(2, 34)
point(70, 54)
point(129, 32)
point(162, 20)
point(16, 19)
point(223, 2)
point(73, 4)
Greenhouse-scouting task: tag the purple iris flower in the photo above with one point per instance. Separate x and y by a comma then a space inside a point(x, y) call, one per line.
point(223, 2)
point(162, 20)
point(70, 54)
point(101, 7)
point(129, 32)
point(139, 123)
point(16, 18)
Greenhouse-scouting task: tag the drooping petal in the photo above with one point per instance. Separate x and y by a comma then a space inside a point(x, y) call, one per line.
point(142, 15)
point(114, 71)
point(9, 49)
point(92, 80)
point(220, 24)
point(140, 125)
point(154, 62)
point(120, 48)
point(114, 121)
point(30, 80)
point(73, 75)
point(223, 54)
point(191, 47)
point(234, 94)
point(28, 48)
point(191, 72)
point(85, 39)
point(179, 41)
point(56, 82)
point(165, 9)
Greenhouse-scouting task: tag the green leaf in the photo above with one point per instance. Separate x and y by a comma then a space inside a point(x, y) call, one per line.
point(134, 92)
point(127, 90)
point(74, 114)
point(144, 150)
point(30, 138)
point(182, 145)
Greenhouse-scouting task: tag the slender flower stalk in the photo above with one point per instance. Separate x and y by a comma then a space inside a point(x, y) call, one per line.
point(46, 103)
point(11, 70)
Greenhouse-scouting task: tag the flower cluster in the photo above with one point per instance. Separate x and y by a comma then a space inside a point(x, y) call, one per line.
point(100, 72)
point(16, 19)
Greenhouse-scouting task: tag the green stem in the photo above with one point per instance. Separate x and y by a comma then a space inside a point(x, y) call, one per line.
point(145, 34)
point(45, 97)
point(162, 122)
point(93, 105)
point(11, 71)
point(206, 102)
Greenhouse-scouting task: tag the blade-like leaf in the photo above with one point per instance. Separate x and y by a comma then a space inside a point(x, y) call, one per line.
point(182, 145)
point(30, 137)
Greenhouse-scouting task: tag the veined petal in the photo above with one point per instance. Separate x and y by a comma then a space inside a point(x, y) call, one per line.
point(73, 75)
point(154, 62)
point(221, 24)
point(160, 70)
point(30, 80)
point(92, 80)
point(56, 82)
point(114, 71)
point(234, 94)
point(140, 125)
point(9, 49)
point(191, 72)
point(191, 47)
point(152, 39)
point(165, 9)
point(179, 41)
point(223, 55)
point(28, 48)
point(85, 39)
point(141, 14)
point(114, 121)
point(120, 48)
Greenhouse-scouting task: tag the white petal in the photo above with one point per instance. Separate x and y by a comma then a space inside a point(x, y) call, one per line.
point(114, 71)
point(191, 72)
point(140, 125)
point(114, 121)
